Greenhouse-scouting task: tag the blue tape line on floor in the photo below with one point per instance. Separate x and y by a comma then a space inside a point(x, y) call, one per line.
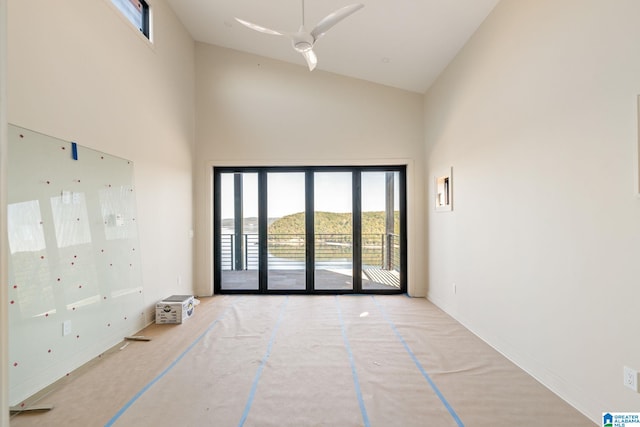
point(254, 386)
point(163, 373)
point(419, 365)
point(354, 373)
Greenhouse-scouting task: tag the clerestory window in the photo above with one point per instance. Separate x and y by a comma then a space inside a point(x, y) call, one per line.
point(137, 12)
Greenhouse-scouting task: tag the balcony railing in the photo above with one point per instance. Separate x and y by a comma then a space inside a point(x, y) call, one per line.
point(287, 251)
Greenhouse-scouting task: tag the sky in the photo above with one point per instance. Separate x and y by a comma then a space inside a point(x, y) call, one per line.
point(285, 193)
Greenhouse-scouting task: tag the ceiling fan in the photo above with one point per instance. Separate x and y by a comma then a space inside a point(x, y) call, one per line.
point(303, 40)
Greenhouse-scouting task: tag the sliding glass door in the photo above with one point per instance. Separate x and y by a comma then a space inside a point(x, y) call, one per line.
point(333, 230)
point(381, 230)
point(286, 231)
point(238, 231)
point(310, 230)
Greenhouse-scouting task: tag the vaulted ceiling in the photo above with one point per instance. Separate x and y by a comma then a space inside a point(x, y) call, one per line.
point(401, 43)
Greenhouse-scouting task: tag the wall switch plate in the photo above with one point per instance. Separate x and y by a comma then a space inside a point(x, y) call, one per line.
point(631, 378)
point(66, 327)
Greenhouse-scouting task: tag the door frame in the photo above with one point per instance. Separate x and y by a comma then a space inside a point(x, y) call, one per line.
point(310, 234)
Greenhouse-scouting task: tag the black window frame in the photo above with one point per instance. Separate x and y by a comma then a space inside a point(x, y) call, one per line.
point(144, 27)
point(309, 170)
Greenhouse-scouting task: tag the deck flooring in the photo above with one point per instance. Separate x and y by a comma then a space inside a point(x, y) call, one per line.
point(325, 280)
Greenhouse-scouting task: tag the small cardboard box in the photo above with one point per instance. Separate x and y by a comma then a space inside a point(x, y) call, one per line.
point(174, 309)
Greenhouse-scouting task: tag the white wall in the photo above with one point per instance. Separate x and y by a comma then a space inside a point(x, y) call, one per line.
point(256, 111)
point(4, 299)
point(538, 117)
point(78, 70)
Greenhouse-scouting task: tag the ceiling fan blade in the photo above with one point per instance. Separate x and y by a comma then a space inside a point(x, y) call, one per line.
point(312, 59)
point(333, 18)
point(259, 28)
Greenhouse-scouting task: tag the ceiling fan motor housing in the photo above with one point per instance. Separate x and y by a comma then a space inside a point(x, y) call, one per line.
point(302, 41)
point(302, 46)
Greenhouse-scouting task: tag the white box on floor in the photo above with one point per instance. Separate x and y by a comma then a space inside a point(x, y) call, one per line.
point(174, 309)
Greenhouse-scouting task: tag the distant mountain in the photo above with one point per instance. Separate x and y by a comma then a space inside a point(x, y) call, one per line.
point(332, 223)
point(325, 223)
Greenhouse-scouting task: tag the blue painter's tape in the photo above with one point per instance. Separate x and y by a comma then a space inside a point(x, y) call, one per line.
point(74, 151)
point(419, 365)
point(171, 366)
point(354, 373)
point(254, 386)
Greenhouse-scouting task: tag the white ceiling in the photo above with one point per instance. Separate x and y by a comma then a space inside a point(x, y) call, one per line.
point(400, 43)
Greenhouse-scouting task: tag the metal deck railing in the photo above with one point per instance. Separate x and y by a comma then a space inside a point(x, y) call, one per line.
point(287, 251)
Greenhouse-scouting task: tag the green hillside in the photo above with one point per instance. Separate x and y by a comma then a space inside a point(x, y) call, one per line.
point(333, 223)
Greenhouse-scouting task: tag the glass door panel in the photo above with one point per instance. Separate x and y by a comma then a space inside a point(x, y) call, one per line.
point(239, 249)
point(286, 232)
point(380, 238)
point(333, 231)
point(310, 229)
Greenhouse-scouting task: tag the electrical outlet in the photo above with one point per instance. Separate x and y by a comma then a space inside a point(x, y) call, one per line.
point(66, 327)
point(631, 378)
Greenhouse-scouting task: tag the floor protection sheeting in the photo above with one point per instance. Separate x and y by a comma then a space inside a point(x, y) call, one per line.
point(349, 360)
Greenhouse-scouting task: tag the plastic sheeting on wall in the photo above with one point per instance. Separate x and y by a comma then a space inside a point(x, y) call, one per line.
point(75, 285)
